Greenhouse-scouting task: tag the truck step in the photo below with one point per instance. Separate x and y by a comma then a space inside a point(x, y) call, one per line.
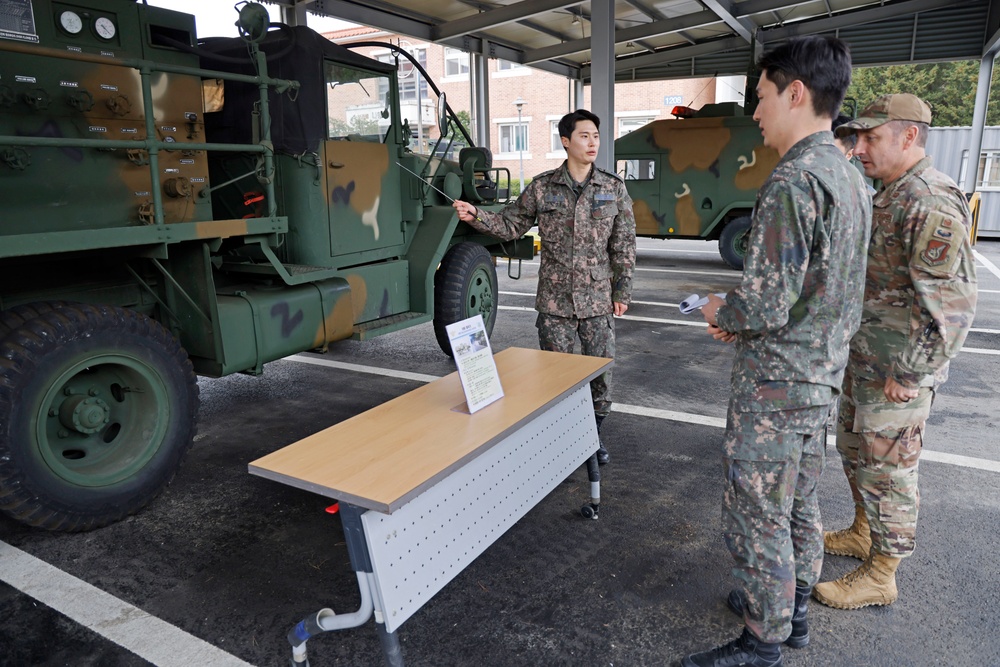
point(384, 325)
point(297, 273)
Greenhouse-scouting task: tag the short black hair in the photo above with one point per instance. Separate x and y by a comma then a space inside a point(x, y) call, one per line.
point(822, 64)
point(568, 122)
point(849, 140)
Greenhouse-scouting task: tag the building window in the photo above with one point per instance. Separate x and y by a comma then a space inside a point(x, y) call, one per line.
point(408, 75)
point(626, 125)
point(964, 169)
point(640, 169)
point(513, 137)
point(506, 65)
point(556, 139)
point(456, 63)
point(989, 170)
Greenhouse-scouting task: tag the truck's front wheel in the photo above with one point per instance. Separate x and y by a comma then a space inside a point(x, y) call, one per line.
point(465, 285)
point(97, 410)
point(733, 242)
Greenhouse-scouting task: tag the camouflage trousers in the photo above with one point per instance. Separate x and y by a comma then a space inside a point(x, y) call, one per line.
point(597, 339)
point(881, 467)
point(770, 511)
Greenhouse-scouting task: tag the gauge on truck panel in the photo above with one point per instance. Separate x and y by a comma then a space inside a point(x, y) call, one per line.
point(105, 27)
point(71, 22)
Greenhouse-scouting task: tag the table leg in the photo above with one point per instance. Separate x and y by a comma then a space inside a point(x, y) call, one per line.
point(591, 509)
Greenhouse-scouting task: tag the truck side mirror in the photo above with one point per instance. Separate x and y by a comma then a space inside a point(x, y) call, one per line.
point(442, 113)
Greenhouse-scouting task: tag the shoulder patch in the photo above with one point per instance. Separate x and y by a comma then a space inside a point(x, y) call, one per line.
point(939, 244)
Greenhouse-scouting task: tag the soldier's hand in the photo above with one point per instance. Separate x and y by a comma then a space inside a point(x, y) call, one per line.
point(466, 211)
point(897, 393)
point(709, 310)
point(620, 308)
point(719, 334)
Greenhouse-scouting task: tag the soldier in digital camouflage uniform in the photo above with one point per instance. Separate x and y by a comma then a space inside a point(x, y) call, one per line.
point(584, 217)
point(920, 299)
point(791, 319)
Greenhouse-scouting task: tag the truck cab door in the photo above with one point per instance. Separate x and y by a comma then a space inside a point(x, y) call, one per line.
point(363, 190)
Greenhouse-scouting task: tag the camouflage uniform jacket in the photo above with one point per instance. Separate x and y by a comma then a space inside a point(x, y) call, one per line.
point(920, 294)
point(588, 240)
point(803, 278)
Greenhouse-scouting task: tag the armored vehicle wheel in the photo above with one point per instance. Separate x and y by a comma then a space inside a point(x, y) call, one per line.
point(97, 410)
point(733, 242)
point(465, 285)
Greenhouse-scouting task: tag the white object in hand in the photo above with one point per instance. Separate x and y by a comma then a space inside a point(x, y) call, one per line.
point(695, 302)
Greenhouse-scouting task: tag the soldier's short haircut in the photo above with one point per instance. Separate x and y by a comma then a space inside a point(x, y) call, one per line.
point(923, 130)
point(568, 122)
point(822, 64)
point(849, 140)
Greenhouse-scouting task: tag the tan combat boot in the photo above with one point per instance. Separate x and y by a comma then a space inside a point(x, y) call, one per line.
point(873, 583)
point(854, 541)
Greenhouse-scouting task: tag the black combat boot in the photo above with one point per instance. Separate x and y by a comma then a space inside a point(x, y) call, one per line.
point(737, 601)
point(745, 651)
point(602, 451)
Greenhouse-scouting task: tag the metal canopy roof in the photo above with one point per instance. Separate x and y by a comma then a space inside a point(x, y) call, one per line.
point(667, 39)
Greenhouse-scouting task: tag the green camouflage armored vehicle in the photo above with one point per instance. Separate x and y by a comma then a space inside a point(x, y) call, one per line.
point(173, 207)
point(697, 176)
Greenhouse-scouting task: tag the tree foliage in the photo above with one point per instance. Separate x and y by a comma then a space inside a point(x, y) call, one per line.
point(950, 89)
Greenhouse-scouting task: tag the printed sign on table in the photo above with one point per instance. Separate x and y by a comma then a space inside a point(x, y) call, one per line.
point(474, 358)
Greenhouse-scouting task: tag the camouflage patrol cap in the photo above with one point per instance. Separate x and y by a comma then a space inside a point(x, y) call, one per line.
point(901, 106)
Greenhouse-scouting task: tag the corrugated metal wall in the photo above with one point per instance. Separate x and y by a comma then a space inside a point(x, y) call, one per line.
point(947, 145)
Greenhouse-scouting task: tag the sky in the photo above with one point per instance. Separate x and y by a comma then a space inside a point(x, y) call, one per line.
point(217, 18)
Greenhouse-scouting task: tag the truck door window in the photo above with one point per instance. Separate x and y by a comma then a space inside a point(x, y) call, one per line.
point(638, 169)
point(358, 104)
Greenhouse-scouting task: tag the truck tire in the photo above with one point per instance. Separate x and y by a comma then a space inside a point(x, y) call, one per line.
point(733, 242)
point(97, 410)
point(465, 285)
point(14, 318)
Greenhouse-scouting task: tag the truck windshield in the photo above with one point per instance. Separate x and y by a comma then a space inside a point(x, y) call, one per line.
point(358, 104)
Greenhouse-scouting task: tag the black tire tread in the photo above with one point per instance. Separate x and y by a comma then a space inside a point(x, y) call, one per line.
point(732, 228)
point(449, 289)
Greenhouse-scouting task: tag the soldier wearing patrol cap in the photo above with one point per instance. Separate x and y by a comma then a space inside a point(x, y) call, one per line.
point(920, 299)
point(584, 216)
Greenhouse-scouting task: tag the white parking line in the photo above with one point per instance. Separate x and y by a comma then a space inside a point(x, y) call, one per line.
point(678, 250)
point(670, 415)
point(990, 266)
point(128, 626)
point(719, 274)
point(634, 318)
point(694, 323)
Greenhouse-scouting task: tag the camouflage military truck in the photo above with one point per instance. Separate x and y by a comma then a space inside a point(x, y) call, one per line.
point(697, 176)
point(174, 207)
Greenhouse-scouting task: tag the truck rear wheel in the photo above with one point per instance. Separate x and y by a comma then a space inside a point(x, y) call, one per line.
point(465, 285)
point(14, 318)
point(733, 242)
point(97, 410)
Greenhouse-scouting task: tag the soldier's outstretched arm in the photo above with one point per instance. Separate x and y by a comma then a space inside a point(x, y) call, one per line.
point(512, 222)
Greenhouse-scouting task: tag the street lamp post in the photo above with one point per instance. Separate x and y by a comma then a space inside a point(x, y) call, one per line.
point(519, 103)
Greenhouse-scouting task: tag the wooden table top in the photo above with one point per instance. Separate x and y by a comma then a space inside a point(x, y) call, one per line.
point(382, 458)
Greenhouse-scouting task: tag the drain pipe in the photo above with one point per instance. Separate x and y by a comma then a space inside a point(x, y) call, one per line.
point(325, 620)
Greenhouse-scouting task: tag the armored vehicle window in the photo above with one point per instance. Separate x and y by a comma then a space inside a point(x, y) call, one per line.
point(358, 104)
point(640, 169)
